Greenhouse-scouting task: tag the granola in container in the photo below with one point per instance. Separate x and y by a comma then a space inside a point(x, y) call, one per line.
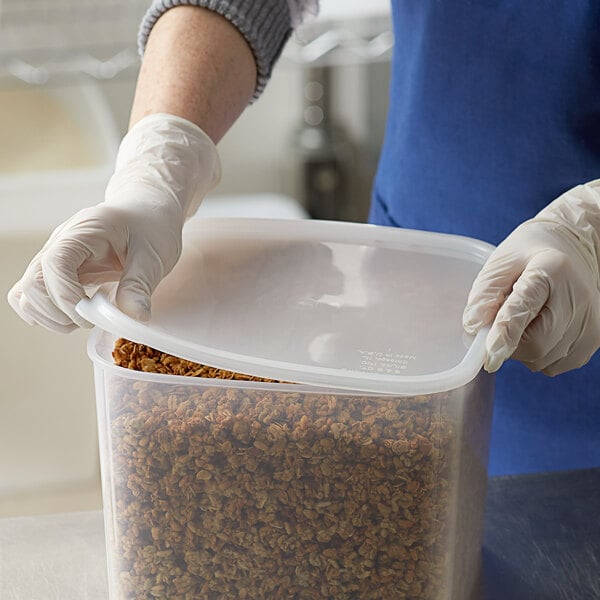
point(273, 492)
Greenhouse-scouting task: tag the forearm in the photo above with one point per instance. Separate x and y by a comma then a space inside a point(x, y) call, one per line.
point(198, 66)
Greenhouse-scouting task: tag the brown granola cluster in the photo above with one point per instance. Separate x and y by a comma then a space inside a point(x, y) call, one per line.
point(143, 358)
point(232, 492)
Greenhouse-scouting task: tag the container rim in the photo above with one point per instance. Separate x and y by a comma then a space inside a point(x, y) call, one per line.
point(100, 361)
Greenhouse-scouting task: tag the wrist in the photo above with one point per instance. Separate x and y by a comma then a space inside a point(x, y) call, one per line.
point(577, 212)
point(170, 154)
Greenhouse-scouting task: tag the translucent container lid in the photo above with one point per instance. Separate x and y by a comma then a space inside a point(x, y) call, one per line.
point(341, 305)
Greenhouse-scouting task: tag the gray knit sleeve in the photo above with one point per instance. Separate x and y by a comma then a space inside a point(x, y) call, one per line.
point(265, 24)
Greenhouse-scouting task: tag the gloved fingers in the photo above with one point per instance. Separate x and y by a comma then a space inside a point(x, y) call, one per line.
point(60, 323)
point(88, 250)
point(50, 318)
point(574, 353)
point(59, 266)
point(54, 281)
point(30, 297)
point(529, 295)
point(14, 299)
point(574, 360)
point(537, 358)
point(544, 336)
point(490, 289)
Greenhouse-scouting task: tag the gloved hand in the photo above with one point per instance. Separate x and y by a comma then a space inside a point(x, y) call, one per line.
point(164, 167)
point(540, 288)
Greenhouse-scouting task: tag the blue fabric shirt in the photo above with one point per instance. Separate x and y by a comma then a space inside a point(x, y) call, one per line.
point(494, 112)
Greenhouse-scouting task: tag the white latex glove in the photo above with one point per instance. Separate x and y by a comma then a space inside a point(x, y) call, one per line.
point(540, 288)
point(164, 167)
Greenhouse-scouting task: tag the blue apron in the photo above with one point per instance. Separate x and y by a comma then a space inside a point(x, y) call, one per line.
point(495, 111)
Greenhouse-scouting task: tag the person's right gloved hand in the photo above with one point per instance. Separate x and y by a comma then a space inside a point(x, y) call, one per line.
point(164, 167)
point(539, 291)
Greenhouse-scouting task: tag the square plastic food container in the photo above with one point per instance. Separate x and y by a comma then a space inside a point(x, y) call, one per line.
point(364, 477)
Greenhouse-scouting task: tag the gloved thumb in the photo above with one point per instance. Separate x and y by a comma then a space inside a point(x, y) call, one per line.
point(489, 290)
point(141, 274)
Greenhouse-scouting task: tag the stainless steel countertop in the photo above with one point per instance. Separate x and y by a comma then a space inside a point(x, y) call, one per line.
point(542, 542)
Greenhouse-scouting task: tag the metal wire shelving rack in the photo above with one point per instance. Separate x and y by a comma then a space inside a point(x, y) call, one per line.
point(43, 39)
point(340, 42)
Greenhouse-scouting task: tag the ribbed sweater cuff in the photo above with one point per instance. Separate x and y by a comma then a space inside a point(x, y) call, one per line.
point(265, 24)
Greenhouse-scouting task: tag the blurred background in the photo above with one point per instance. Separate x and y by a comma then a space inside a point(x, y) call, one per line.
point(307, 148)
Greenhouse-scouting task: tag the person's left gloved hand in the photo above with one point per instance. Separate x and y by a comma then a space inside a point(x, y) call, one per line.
point(540, 288)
